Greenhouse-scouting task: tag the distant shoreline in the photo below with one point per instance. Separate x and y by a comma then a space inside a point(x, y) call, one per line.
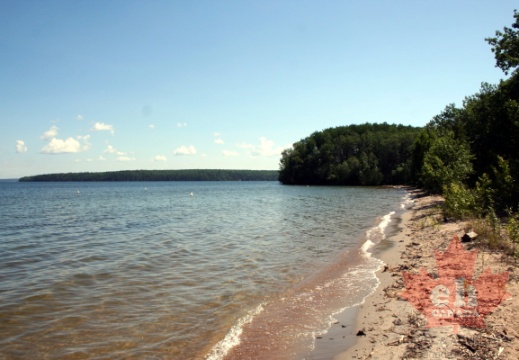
point(158, 175)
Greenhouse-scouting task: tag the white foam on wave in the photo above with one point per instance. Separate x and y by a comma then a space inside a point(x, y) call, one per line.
point(360, 281)
point(355, 281)
point(407, 202)
point(232, 339)
point(357, 278)
point(376, 234)
point(368, 244)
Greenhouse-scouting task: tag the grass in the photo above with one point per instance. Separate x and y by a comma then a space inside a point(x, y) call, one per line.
point(498, 234)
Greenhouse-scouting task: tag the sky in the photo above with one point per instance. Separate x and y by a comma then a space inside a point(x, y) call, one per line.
point(205, 84)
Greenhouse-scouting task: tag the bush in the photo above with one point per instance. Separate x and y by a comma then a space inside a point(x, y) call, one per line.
point(505, 185)
point(512, 228)
point(447, 161)
point(489, 229)
point(460, 201)
point(484, 196)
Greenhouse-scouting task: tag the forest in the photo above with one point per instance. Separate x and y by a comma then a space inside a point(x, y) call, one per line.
point(367, 154)
point(161, 175)
point(468, 154)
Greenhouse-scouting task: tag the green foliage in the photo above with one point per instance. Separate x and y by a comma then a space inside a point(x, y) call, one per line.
point(491, 123)
point(449, 121)
point(506, 185)
point(485, 133)
point(489, 228)
point(484, 195)
point(447, 161)
point(505, 46)
point(460, 201)
point(497, 233)
point(421, 146)
point(512, 228)
point(469, 153)
point(367, 154)
point(161, 175)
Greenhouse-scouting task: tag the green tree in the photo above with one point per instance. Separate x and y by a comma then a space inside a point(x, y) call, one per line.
point(506, 192)
point(421, 146)
point(505, 46)
point(449, 120)
point(366, 154)
point(162, 175)
point(447, 161)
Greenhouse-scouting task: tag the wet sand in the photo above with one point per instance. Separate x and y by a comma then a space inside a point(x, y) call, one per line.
point(342, 337)
point(393, 329)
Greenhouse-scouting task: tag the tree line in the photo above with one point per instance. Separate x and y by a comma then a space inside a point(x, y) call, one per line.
point(160, 175)
point(367, 154)
point(469, 154)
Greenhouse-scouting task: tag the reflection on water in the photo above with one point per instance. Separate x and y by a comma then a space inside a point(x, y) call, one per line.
point(145, 270)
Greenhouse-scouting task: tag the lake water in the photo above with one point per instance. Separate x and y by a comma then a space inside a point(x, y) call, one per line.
point(182, 270)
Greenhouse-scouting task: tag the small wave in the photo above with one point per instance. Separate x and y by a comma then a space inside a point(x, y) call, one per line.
point(407, 202)
point(376, 234)
point(232, 338)
point(288, 327)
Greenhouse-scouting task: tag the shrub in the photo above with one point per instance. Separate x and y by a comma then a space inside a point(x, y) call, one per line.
point(447, 161)
point(512, 228)
point(489, 229)
point(460, 201)
point(484, 195)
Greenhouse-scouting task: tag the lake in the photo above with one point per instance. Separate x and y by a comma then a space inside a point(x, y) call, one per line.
point(183, 270)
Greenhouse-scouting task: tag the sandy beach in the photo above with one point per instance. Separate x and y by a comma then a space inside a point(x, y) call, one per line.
point(389, 327)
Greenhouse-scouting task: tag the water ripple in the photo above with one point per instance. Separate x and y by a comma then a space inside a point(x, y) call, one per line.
point(116, 271)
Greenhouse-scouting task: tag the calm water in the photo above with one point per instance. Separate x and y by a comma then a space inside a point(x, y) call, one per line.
point(182, 270)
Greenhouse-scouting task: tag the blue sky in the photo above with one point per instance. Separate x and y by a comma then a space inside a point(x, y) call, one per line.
point(116, 85)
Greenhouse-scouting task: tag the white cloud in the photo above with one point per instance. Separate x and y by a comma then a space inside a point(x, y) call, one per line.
point(124, 158)
point(185, 150)
point(51, 133)
point(264, 148)
point(230, 153)
point(102, 158)
point(79, 117)
point(245, 146)
point(69, 145)
point(267, 148)
point(111, 150)
point(20, 146)
point(151, 126)
point(160, 158)
point(85, 139)
point(217, 134)
point(218, 141)
point(99, 126)
point(63, 146)
point(180, 125)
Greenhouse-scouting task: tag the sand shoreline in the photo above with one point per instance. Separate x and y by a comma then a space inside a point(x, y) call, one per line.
point(341, 336)
point(394, 329)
